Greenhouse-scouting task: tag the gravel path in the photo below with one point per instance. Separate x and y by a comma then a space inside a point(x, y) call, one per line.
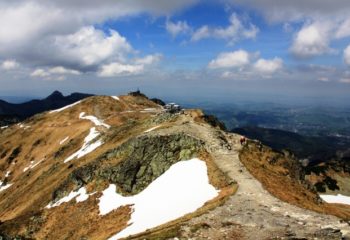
point(252, 211)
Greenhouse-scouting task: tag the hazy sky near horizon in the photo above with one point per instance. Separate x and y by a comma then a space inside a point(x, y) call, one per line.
point(190, 48)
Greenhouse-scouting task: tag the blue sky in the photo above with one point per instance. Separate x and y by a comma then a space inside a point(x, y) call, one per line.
point(296, 48)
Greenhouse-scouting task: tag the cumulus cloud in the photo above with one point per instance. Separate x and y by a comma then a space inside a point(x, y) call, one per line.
point(343, 30)
point(40, 73)
point(44, 33)
point(54, 73)
point(149, 59)
point(345, 80)
point(89, 47)
point(347, 55)
point(324, 21)
point(137, 66)
point(245, 65)
point(235, 31)
point(117, 69)
point(62, 70)
point(22, 20)
point(234, 59)
point(9, 65)
point(201, 33)
point(312, 40)
point(268, 66)
point(180, 27)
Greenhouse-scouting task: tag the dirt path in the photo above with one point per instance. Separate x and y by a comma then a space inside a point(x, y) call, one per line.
point(252, 211)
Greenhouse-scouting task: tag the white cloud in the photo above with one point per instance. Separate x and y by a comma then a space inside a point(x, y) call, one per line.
point(57, 73)
point(344, 80)
point(323, 79)
point(119, 69)
point(9, 65)
point(245, 65)
point(312, 40)
point(62, 70)
point(234, 32)
point(234, 59)
point(236, 29)
point(180, 27)
point(21, 20)
point(347, 55)
point(90, 46)
point(43, 33)
point(24, 21)
point(268, 66)
point(138, 66)
point(149, 59)
point(201, 33)
point(40, 73)
point(324, 21)
point(343, 30)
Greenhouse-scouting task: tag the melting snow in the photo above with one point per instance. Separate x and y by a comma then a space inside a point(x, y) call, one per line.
point(336, 199)
point(64, 108)
point(4, 187)
point(116, 98)
point(7, 174)
point(4, 127)
point(182, 189)
point(146, 110)
point(23, 126)
point(32, 165)
point(62, 141)
point(88, 145)
point(93, 119)
point(80, 196)
point(90, 142)
point(151, 129)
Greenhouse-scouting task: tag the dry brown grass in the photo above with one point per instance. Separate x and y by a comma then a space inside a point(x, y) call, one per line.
point(276, 181)
point(23, 203)
point(32, 190)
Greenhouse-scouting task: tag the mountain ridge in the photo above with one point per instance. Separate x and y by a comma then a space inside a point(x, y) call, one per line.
point(58, 167)
point(14, 112)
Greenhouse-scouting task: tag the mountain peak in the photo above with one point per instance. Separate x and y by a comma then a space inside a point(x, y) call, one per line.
point(56, 94)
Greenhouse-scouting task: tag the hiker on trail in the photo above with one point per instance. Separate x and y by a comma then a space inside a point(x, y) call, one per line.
point(242, 140)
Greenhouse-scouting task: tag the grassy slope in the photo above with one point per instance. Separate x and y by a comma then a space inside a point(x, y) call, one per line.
point(276, 178)
point(22, 205)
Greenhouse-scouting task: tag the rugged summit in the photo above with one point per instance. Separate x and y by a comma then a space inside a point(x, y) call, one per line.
point(110, 167)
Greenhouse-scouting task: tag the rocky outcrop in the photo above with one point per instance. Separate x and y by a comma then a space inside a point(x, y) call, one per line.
point(139, 161)
point(146, 158)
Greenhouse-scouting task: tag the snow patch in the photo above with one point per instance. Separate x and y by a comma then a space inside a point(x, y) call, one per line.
point(32, 165)
point(336, 199)
point(7, 174)
point(149, 110)
point(80, 196)
point(21, 125)
point(4, 187)
point(151, 129)
point(66, 107)
point(90, 142)
point(3, 127)
point(89, 145)
point(182, 189)
point(62, 141)
point(93, 119)
point(116, 98)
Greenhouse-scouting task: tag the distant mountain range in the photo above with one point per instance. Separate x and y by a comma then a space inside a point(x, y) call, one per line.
point(12, 113)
